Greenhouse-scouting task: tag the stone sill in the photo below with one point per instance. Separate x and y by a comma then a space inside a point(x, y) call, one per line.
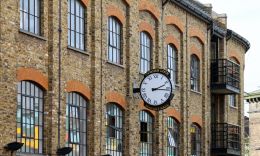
point(115, 64)
point(29, 154)
point(196, 92)
point(32, 35)
point(78, 50)
point(233, 107)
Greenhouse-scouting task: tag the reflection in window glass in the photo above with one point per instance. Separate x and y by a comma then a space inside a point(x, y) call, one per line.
point(145, 52)
point(172, 137)
point(194, 73)
point(195, 140)
point(76, 124)
point(30, 16)
point(146, 134)
point(114, 138)
point(172, 62)
point(76, 34)
point(30, 117)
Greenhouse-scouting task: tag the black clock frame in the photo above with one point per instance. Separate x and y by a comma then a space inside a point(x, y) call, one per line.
point(166, 103)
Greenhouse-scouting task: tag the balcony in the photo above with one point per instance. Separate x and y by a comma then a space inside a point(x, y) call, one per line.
point(225, 77)
point(225, 139)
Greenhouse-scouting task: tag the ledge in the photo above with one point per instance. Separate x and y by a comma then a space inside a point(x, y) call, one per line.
point(32, 35)
point(78, 50)
point(196, 92)
point(115, 64)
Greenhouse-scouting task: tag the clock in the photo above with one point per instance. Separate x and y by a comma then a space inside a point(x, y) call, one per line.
point(156, 89)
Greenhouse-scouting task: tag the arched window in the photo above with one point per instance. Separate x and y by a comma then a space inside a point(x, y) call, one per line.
point(76, 124)
point(145, 52)
point(30, 16)
point(114, 40)
point(195, 140)
point(172, 137)
point(30, 117)
point(194, 73)
point(146, 134)
point(76, 24)
point(114, 124)
point(172, 62)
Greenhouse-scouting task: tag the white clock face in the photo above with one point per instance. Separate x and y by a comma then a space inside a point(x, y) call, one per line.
point(156, 89)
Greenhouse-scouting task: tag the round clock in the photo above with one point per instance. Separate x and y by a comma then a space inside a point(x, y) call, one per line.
point(156, 89)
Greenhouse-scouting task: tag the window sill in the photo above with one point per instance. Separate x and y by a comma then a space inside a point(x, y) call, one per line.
point(78, 50)
point(196, 92)
point(32, 35)
point(115, 64)
point(29, 154)
point(233, 107)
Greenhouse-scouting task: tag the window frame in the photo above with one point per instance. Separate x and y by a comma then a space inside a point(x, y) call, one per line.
point(34, 17)
point(73, 15)
point(174, 126)
point(115, 111)
point(146, 42)
point(22, 97)
point(195, 73)
point(143, 115)
point(172, 61)
point(76, 102)
point(115, 32)
point(196, 140)
point(232, 99)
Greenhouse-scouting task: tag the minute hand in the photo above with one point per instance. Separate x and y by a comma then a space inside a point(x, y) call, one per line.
point(153, 89)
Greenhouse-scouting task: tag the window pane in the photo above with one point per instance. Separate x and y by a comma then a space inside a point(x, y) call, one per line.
point(146, 134)
point(114, 42)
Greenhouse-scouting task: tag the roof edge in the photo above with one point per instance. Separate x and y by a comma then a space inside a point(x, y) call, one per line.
point(239, 38)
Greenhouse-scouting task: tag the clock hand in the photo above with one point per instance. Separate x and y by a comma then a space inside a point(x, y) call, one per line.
point(153, 89)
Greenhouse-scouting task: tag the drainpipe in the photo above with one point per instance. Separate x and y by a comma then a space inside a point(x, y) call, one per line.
point(59, 73)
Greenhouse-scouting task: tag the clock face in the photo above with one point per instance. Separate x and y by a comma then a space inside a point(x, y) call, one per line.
point(156, 89)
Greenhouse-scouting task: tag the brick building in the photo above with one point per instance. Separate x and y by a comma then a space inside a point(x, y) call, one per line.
point(67, 78)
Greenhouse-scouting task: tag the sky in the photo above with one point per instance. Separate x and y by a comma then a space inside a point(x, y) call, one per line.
point(243, 17)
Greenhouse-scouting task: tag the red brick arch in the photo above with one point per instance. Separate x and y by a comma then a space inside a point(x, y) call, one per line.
point(85, 2)
point(233, 54)
point(32, 74)
point(115, 97)
point(173, 20)
point(196, 119)
point(113, 10)
point(171, 112)
point(146, 5)
point(196, 51)
point(142, 107)
point(77, 86)
point(144, 26)
point(171, 39)
point(195, 32)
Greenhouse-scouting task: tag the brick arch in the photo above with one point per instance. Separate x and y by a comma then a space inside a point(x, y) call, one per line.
point(142, 107)
point(196, 119)
point(112, 10)
point(171, 39)
point(144, 26)
point(77, 86)
point(128, 2)
point(115, 97)
point(233, 54)
point(196, 51)
point(171, 112)
point(145, 5)
point(85, 2)
point(173, 20)
point(32, 74)
point(195, 32)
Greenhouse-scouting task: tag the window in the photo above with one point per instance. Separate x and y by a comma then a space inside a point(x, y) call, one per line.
point(114, 40)
point(172, 137)
point(145, 52)
point(30, 117)
point(76, 124)
point(30, 16)
point(76, 31)
point(172, 62)
point(114, 138)
point(194, 73)
point(232, 100)
point(146, 134)
point(195, 140)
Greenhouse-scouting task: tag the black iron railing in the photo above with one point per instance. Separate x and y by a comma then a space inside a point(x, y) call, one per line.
point(225, 73)
point(225, 136)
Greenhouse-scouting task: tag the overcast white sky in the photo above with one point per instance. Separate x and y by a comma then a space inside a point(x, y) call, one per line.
point(244, 18)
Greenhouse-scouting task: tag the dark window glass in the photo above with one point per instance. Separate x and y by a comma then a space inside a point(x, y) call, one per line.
point(76, 22)
point(114, 40)
point(172, 137)
point(30, 117)
point(146, 134)
point(145, 52)
point(76, 124)
point(114, 138)
point(172, 62)
point(195, 140)
point(30, 16)
point(194, 73)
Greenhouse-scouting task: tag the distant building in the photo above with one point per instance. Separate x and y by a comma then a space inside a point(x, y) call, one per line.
point(246, 136)
point(253, 99)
